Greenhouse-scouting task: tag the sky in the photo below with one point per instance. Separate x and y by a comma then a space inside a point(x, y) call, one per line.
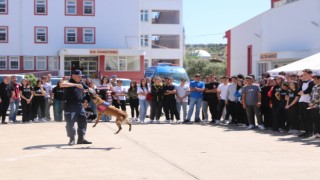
point(206, 21)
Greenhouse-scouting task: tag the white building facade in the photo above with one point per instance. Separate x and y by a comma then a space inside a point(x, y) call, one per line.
point(288, 32)
point(102, 37)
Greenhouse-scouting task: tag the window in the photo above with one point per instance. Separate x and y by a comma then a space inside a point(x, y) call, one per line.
point(3, 6)
point(14, 63)
point(28, 63)
point(146, 63)
point(71, 8)
point(111, 63)
point(41, 35)
point(41, 7)
point(88, 7)
point(3, 63)
point(41, 63)
point(53, 63)
point(122, 63)
point(88, 35)
point(144, 15)
point(71, 35)
point(3, 34)
point(144, 40)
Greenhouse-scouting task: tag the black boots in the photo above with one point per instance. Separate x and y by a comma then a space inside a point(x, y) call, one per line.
point(72, 141)
point(82, 140)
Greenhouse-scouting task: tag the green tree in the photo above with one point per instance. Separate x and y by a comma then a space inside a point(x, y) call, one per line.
point(204, 67)
point(32, 78)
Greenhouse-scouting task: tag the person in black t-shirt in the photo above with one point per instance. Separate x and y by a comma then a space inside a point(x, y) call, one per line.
point(39, 101)
point(26, 94)
point(293, 108)
point(57, 93)
point(169, 103)
point(211, 90)
point(6, 93)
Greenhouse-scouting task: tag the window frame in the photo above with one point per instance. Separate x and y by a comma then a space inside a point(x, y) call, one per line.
point(36, 34)
point(66, 35)
point(7, 34)
point(46, 8)
point(93, 8)
point(31, 60)
point(4, 59)
point(37, 61)
point(6, 8)
point(75, 7)
point(10, 60)
point(144, 40)
point(144, 15)
point(55, 62)
point(93, 35)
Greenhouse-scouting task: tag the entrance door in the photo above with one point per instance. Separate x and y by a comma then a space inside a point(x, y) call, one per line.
point(88, 65)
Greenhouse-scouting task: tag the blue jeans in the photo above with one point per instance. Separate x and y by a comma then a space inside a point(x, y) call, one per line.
point(193, 102)
point(184, 109)
point(57, 109)
point(14, 107)
point(143, 109)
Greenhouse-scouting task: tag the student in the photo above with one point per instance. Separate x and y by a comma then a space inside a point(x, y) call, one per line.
point(26, 94)
point(39, 101)
point(196, 89)
point(120, 96)
point(157, 92)
point(134, 100)
point(251, 101)
point(142, 91)
point(57, 94)
point(169, 104)
point(293, 108)
point(183, 91)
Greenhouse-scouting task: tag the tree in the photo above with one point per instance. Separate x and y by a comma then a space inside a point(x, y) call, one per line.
point(204, 67)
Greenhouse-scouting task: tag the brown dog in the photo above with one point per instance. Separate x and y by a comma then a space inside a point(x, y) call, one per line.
point(121, 116)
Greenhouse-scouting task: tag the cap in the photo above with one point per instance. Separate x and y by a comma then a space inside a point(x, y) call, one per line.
point(77, 72)
point(114, 76)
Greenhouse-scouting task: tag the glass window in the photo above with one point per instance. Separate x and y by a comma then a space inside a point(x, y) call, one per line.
point(111, 63)
point(28, 63)
point(41, 7)
point(88, 7)
point(71, 7)
point(71, 35)
point(3, 6)
point(3, 34)
point(41, 35)
point(88, 35)
point(144, 15)
point(41, 63)
point(14, 63)
point(144, 40)
point(122, 63)
point(53, 63)
point(3, 62)
point(133, 63)
point(146, 63)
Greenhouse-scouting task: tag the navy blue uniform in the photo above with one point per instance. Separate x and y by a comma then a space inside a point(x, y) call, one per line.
point(74, 111)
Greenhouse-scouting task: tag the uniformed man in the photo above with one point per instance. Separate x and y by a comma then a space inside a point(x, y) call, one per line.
point(74, 112)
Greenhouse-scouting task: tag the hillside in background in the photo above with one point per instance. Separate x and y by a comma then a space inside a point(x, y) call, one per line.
point(217, 51)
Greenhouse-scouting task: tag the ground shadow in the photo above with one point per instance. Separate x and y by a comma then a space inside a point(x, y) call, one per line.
point(66, 147)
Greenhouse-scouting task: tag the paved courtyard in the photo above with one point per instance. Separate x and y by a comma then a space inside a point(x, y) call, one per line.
point(155, 151)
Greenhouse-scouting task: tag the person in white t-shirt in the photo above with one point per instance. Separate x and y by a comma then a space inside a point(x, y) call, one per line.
point(120, 96)
point(222, 95)
point(182, 94)
point(143, 90)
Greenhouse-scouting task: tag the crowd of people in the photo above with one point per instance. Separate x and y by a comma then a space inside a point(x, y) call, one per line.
point(285, 103)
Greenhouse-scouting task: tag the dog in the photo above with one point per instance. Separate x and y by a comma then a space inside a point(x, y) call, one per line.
point(121, 116)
